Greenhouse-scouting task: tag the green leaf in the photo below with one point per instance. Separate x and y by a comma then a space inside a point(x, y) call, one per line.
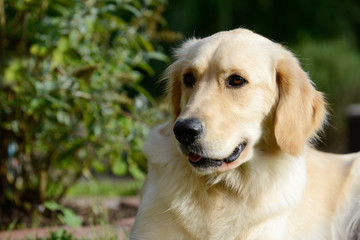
point(38, 50)
point(147, 45)
point(52, 206)
point(12, 72)
point(158, 56)
point(132, 9)
point(146, 67)
point(69, 218)
point(119, 167)
point(34, 105)
point(136, 172)
point(63, 117)
point(63, 44)
point(58, 103)
point(143, 91)
point(98, 166)
point(60, 234)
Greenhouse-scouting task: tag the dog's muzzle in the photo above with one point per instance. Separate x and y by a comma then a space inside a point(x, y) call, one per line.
point(187, 131)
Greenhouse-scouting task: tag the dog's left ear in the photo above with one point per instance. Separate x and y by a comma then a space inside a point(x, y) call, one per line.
point(301, 109)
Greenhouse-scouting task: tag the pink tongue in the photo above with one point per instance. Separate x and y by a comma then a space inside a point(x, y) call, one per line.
point(194, 158)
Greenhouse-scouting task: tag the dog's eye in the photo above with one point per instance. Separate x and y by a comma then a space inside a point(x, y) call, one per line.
point(236, 81)
point(189, 80)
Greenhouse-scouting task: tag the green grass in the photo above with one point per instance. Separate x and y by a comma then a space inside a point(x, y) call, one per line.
point(105, 187)
point(61, 234)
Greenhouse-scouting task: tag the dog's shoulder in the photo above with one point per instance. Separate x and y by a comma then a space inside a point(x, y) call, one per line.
point(159, 145)
point(350, 200)
point(353, 162)
point(339, 167)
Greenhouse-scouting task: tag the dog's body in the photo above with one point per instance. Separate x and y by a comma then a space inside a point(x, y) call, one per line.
point(243, 115)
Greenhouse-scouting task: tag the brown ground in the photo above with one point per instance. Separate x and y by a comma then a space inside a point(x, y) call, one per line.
point(102, 218)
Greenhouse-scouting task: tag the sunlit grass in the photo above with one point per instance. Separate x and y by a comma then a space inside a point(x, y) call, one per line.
point(107, 187)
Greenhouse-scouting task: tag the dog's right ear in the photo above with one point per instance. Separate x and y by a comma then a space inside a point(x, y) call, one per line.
point(174, 89)
point(173, 76)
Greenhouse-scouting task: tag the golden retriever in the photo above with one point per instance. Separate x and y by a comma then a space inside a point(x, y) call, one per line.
point(235, 161)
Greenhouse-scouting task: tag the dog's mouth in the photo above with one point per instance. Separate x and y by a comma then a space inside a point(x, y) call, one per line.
point(203, 162)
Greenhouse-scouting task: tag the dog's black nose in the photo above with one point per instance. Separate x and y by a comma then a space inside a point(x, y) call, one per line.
point(188, 130)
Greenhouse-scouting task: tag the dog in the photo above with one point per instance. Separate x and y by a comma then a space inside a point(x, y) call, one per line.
point(236, 159)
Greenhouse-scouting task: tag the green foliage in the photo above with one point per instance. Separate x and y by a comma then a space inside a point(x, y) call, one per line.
point(61, 234)
point(105, 188)
point(333, 65)
point(71, 97)
point(65, 215)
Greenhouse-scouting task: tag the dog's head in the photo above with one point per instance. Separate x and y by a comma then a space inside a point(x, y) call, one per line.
point(236, 92)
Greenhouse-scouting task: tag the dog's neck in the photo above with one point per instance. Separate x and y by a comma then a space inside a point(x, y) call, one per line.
point(272, 177)
point(260, 174)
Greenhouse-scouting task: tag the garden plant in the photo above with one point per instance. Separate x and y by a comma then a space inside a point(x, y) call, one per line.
point(71, 96)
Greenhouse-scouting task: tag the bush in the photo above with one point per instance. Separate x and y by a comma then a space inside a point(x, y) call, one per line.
point(71, 98)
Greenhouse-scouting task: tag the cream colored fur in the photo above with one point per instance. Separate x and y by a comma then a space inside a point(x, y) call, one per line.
point(279, 187)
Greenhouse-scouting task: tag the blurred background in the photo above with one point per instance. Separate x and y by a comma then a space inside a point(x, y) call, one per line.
point(79, 86)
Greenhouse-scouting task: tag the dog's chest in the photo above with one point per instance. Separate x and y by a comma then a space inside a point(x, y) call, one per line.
point(209, 213)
